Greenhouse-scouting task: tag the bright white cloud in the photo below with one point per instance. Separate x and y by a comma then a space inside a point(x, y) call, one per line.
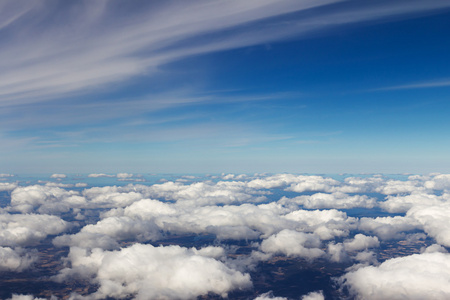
point(439, 182)
point(419, 276)
point(293, 244)
point(336, 200)
point(97, 175)
point(402, 203)
point(116, 216)
point(28, 297)
point(124, 175)
point(147, 272)
point(246, 221)
point(269, 295)
point(58, 176)
point(327, 224)
point(314, 296)
point(434, 248)
point(361, 242)
point(106, 232)
point(435, 221)
point(29, 229)
point(45, 199)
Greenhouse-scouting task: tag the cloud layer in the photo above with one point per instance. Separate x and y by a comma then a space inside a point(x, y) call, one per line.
point(196, 236)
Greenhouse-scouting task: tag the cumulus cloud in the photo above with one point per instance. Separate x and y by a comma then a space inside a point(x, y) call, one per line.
point(314, 296)
point(293, 244)
point(7, 186)
point(28, 297)
point(327, 224)
point(435, 221)
point(361, 242)
point(146, 219)
point(234, 177)
point(344, 252)
point(111, 196)
point(269, 295)
point(295, 183)
point(105, 233)
point(336, 252)
point(97, 175)
point(400, 187)
point(246, 221)
point(207, 193)
point(336, 200)
point(29, 229)
point(148, 272)
point(58, 176)
point(124, 175)
point(402, 203)
point(388, 228)
point(45, 199)
point(418, 276)
point(434, 248)
point(438, 182)
point(113, 217)
point(313, 184)
point(16, 260)
point(4, 175)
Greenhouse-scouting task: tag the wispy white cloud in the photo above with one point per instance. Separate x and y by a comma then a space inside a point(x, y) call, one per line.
point(418, 85)
point(53, 49)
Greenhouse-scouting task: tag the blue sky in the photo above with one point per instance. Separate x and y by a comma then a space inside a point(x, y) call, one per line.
point(225, 86)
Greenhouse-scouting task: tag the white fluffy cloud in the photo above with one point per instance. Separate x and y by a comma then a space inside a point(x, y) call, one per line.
point(361, 242)
point(230, 209)
point(16, 260)
point(419, 276)
point(293, 244)
point(327, 224)
point(28, 229)
point(105, 233)
point(402, 203)
point(97, 175)
point(342, 252)
point(438, 182)
point(148, 272)
point(58, 176)
point(387, 228)
point(111, 196)
point(7, 186)
point(433, 248)
point(314, 296)
point(269, 296)
point(207, 193)
point(28, 297)
point(435, 221)
point(246, 221)
point(296, 183)
point(336, 200)
point(45, 199)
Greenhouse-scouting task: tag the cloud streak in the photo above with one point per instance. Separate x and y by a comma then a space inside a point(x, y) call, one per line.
point(53, 49)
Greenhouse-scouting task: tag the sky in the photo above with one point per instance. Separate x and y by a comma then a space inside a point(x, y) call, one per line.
point(320, 86)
